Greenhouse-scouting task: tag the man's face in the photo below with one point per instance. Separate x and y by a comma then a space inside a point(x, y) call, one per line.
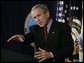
point(40, 17)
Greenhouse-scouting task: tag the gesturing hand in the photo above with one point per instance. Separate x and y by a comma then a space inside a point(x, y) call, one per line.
point(16, 37)
point(42, 55)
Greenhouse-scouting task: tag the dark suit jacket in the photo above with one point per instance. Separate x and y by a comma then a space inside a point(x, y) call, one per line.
point(59, 40)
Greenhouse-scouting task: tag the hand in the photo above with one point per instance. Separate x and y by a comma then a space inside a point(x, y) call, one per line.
point(42, 55)
point(17, 38)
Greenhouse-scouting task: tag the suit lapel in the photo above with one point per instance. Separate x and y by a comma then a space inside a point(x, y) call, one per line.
point(52, 31)
point(39, 34)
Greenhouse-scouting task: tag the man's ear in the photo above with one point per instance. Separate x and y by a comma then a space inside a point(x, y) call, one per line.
point(47, 14)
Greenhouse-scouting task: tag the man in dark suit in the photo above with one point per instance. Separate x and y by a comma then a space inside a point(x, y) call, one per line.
point(54, 45)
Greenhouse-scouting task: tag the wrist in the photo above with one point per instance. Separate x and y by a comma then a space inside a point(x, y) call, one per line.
point(51, 55)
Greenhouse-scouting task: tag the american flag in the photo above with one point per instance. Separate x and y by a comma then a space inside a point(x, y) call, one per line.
point(66, 9)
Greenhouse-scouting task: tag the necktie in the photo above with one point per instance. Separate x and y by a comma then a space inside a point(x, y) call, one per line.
point(45, 33)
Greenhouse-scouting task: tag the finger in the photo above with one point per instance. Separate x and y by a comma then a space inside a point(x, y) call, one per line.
point(41, 50)
point(42, 59)
point(10, 38)
point(37, 53)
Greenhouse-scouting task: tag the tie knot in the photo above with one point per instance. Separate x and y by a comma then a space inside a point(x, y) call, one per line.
point(45, 27)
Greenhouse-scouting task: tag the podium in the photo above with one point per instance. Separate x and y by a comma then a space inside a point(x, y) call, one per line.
point(16, 52)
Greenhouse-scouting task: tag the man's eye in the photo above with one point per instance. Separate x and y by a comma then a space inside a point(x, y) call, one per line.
point(34, 17)
point(38, 15)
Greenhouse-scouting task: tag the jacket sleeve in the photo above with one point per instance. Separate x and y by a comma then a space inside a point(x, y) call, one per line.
point(29, 37)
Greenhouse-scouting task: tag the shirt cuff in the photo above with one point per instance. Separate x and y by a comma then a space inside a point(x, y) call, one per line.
point(51, 55)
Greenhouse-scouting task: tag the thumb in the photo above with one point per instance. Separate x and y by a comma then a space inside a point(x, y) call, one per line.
point(41, 49)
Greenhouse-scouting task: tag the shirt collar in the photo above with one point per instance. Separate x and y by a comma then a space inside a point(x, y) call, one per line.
point(49, 25)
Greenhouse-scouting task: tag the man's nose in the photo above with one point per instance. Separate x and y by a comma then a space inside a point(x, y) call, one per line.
point(37, 20)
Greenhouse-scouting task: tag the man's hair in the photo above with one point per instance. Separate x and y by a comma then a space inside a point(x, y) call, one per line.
point(42, 6)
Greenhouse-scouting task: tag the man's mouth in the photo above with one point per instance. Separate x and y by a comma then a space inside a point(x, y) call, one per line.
point(40, 23)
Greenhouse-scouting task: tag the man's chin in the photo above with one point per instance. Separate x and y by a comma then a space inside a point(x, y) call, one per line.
point(41, 25)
